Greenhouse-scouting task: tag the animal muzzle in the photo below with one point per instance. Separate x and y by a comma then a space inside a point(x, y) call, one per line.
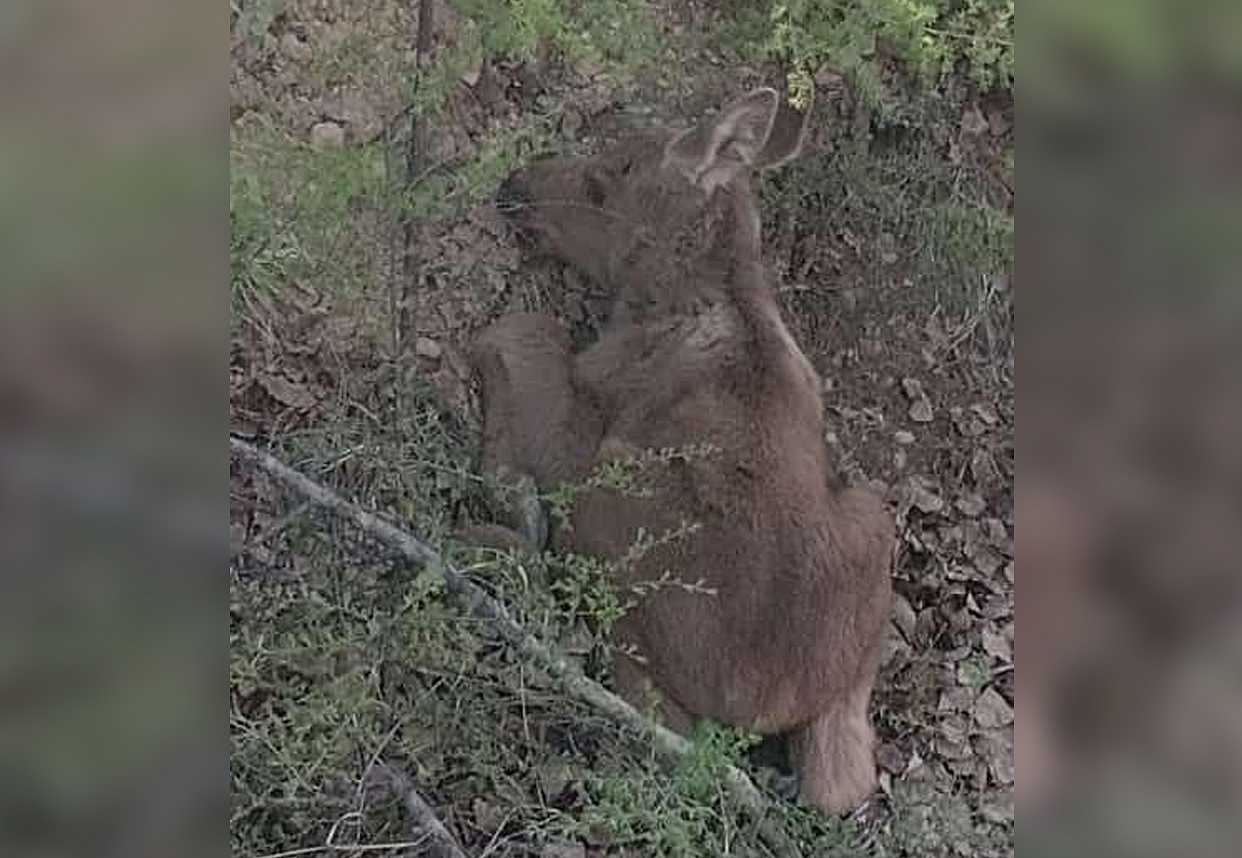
point(512, 197)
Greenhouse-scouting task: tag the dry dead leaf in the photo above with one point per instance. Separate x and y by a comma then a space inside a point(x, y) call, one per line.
point(921, 411)
point(997, 645)
point(904, 616)
point(960, 698)
point(997, 748)
point(286, 391)
point(992, 711)
point(971, 505)
point(923, 498)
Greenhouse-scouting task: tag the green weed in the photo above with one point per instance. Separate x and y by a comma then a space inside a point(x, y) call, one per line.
point(928, 39)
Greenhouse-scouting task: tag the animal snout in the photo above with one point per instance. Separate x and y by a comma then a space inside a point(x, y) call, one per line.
point(512, 197)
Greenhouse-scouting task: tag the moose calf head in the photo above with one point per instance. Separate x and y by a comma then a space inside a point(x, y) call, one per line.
point(661, 208)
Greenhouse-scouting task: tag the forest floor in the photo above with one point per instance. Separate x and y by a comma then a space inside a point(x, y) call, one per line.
point(893, 248)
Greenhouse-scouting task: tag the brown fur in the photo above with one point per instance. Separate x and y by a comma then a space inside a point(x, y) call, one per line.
point(697, 352)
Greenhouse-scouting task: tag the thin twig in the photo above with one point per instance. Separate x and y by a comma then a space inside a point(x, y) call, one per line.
point(413, 158)
point(480, 605)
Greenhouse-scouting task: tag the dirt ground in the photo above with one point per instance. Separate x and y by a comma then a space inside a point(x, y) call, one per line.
point(347, 370)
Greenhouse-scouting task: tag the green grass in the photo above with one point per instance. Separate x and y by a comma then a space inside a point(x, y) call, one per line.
point(902, 194)
point(887, 49)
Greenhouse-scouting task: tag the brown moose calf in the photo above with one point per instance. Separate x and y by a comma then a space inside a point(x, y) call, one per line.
point(696, 353)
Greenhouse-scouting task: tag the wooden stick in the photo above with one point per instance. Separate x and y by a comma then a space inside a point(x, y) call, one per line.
point(475, 601)
point(424, 819)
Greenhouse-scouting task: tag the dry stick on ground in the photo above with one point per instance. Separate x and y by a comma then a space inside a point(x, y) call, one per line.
point(424, 818)
point(478, 603)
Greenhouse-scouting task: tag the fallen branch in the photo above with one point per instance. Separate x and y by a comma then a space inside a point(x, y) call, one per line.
point(479, 604)
point(443, 845)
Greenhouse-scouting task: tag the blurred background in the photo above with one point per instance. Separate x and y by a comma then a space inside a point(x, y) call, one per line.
point(113, 335)
point(1131, 493)
point(113, 181)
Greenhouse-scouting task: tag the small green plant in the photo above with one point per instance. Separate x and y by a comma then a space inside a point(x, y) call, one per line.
point(862, 39)
point(622, 475)
point(252, 18)
point(615, 35)
point(263, 252)
point(441, 196)
point(714, 749)
point(582, 591)
point(685, 815)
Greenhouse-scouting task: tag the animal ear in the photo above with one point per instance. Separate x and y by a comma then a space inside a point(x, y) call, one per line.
point(784, 141)
point(715, 152)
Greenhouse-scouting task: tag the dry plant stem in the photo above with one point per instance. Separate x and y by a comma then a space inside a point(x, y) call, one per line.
point(413, 158)
point(424, 819)
point(479, 604)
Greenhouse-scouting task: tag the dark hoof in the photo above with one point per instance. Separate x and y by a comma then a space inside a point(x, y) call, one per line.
point(784, 786)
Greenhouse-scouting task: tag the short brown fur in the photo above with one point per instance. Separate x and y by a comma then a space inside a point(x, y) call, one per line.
point(696, 352)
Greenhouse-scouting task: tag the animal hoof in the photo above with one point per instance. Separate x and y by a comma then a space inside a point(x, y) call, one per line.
point(785, 786)
point(532, 517)
point(520, 507)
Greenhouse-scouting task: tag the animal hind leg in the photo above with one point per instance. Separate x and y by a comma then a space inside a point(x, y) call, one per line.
point(537, 432)
point(834, 754)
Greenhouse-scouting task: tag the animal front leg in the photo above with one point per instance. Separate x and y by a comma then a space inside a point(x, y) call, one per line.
point(537, 432)
point(633, 683)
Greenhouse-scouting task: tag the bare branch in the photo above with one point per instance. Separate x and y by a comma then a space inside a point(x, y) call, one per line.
point(480, 605)
point(424, 819)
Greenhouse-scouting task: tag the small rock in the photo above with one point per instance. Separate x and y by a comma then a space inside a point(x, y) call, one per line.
point(921, 411)
point(327, 135)
point(903, 436)
point(426, 347)
point(294, 48)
